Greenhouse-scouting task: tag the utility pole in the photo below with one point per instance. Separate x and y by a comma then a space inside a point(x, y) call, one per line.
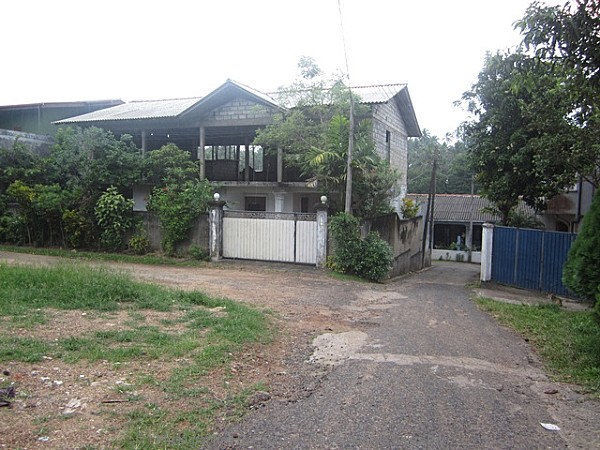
point(348, 206)
point(428, 229)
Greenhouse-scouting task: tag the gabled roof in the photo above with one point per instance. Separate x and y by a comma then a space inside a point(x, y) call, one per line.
point(172, 108)
point(462, 208)
point(384, 93)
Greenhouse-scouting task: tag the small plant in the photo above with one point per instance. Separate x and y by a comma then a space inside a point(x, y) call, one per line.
point(199, 253)
point(409, 208)
point(139, 242)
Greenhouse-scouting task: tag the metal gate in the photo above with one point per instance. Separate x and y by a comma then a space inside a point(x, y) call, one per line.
point(268, 236)
point(531, 259)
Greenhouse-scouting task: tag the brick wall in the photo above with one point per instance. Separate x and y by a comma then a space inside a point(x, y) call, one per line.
point(387, 117)
point(239, 109)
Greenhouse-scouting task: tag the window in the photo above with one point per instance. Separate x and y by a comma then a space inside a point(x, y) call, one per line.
point(304, 204)
point(388, 145)
point(256, 203)
point(236, 153)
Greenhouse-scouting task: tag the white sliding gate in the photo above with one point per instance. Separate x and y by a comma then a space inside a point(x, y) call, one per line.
point(268, 236)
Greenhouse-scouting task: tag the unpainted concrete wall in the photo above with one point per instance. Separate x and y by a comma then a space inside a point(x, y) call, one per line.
point(198, 234)
point(405, 236)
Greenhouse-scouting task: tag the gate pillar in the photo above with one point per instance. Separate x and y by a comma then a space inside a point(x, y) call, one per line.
point(487, 244)
point(322, 233)
point(215, 223)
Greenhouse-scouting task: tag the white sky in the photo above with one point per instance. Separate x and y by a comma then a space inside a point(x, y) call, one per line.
point(65, 50)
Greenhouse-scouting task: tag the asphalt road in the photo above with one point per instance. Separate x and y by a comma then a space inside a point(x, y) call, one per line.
point(430, 372)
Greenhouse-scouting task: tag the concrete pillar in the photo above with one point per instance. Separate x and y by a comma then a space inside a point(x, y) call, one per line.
point(322, 233)
point(201, 154)
point(144, 143)
point(247, 160)
point(279, 201)
point(280, 165)
point(487, 240)
point(215, 222)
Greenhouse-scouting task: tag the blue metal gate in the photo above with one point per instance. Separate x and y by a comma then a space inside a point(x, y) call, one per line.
point(531, 259)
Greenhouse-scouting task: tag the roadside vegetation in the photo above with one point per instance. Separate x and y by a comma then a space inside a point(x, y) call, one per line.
point(169, 350)
point(567, 341)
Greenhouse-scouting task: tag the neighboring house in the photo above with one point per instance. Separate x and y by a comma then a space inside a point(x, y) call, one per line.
point(565, 211)
point(219, 129)
point(33, 124)
point(38, 118)
point(457, 223)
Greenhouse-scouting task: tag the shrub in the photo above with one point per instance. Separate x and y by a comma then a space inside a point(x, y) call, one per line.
point(581, 272)
point(139, 242)
point(177, 206)
point(78, 229)
point(369, 258)
point(13, 229)
point(199, 253)
point(114, 216)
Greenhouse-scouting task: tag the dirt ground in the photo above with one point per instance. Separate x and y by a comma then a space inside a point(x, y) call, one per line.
point(68, 406)
point(61, 405)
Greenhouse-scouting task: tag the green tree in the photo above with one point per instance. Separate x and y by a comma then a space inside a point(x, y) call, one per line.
point(314, 135)
point(581, 272)
point(18, 162)
point(520, 139)
point(454, 174)
point(568, 39)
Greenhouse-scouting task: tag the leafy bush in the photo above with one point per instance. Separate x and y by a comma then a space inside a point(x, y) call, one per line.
point(78, 229)
point(113, 214)
point(199, 253)
point(581, 272)
point(139, 242)
point(12, 229)
point(369, 258)
point(177, 206)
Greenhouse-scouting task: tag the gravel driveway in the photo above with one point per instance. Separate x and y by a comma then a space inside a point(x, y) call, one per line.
point(408, 364)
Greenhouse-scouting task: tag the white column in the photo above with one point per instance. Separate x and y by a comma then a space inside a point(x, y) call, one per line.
point(201, 155)
point(322, 233)
point(487, 240)
point(279, 165)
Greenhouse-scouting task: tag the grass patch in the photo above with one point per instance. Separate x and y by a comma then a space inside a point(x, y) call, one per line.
point(150, 259)
point(202, 332)
point(567, 341)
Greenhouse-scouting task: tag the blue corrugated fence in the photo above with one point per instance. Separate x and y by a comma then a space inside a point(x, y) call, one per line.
point(531, 259)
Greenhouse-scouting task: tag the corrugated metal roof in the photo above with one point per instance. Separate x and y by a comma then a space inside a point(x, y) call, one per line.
point(461, 208)
point(261, 95)
point(378, 93)
point(143, 109)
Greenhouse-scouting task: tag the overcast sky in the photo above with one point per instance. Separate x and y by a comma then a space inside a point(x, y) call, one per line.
point(65, 50)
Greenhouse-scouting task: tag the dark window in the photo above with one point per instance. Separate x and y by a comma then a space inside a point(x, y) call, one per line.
point(388, 145)
point(304, 204)
point(256, 203)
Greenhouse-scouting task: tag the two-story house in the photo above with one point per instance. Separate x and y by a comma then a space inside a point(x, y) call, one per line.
point(218, 131)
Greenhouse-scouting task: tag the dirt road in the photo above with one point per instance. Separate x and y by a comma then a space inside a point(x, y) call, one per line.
point(409, 364)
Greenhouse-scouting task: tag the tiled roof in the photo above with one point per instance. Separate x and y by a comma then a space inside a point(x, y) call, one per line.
point(461, 208)
point(146, 109)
